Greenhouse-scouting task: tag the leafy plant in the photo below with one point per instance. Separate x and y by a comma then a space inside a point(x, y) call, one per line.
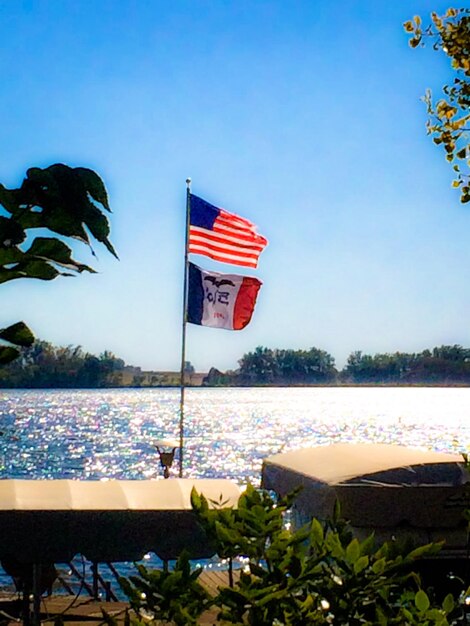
point(317, 575)
point(15, 335)
point(449, 121)
point(174, 597)
point(320, 574)
point(64, 201)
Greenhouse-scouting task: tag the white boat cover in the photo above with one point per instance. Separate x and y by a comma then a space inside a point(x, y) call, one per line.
point(345, 462)
point(377, 486)
point(115, 520)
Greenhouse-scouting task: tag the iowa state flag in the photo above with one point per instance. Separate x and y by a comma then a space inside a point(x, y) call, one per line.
point(220, 300)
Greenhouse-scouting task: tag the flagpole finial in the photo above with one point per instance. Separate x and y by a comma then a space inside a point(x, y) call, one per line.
point(188, 182)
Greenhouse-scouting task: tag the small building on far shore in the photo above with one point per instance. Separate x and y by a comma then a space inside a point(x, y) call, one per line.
point(136, 377)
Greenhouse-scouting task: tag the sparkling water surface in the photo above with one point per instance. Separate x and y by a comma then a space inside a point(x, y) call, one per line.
point(100, 434)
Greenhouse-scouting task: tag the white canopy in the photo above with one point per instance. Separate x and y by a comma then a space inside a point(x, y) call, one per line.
point(110, 495)
point(115, 520)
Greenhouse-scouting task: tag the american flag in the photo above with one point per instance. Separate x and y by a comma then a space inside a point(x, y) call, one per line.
point(223, 236)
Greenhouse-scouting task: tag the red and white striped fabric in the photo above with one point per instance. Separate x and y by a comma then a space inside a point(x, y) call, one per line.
point(223, 236)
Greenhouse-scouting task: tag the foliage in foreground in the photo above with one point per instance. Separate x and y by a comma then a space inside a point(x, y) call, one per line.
point(175, 597)
point(317, 575)
point(449, 117)
point(59, 200)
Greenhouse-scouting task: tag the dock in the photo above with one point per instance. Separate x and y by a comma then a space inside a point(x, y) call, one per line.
point(86, 610)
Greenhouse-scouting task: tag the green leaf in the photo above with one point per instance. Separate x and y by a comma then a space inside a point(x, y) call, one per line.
point(382, 619)
point(8, 354)
point(7, 199)
point(361, 564)
point(353, 551)
point(66, 224)
point(94, 185)
point(10, 255)
point(336, 511)
point(18, 334)
point(11, 232)
point(31, 219)
point(426, 550)
point(409, 615)
point(223, 534)
point(98, 226)
point(422, 601)
point(6, 275)
point(379, 566)
point(50, 249)
point(367, 546)
point(448, 604)
point(37, 269)
point(333, 544)
point(273, 596)
point(195, 499)
point(317, 531)
point(65, 197)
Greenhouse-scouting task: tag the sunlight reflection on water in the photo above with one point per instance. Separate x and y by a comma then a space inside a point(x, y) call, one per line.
point(109, 433)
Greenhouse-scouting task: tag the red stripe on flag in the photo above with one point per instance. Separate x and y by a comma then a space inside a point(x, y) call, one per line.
point(224, 257)
point(236, 227)
point(199, 235)
point(245, 302)
point(248, 255)
point(232, 239)
point(239, 237)
point(220, 249)
point(236, 219)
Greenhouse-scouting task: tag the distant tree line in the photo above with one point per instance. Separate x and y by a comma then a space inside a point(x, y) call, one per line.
point(268, 366)
point(441, 365)
point(265, 366)
point(43, 365)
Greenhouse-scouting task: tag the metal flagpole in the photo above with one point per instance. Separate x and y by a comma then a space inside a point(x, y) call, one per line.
point(183, 333)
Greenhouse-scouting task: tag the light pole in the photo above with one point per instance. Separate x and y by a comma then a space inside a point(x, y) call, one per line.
point(166, 449)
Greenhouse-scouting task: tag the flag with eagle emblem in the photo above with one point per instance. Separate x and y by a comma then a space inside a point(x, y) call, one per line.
point(220, 300)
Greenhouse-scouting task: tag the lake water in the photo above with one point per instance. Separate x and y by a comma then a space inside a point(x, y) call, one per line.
point(96, 434)
point(99, 434)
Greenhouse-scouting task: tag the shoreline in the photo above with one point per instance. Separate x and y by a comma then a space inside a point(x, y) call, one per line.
point(337, 385)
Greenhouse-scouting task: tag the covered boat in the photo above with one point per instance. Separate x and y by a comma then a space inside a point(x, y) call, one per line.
point(392, 490)
point(46, 521)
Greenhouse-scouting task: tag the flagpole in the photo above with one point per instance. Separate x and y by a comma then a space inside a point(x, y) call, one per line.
point(183, 331)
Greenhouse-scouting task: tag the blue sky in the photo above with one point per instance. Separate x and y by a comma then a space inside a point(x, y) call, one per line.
point(302, 116)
